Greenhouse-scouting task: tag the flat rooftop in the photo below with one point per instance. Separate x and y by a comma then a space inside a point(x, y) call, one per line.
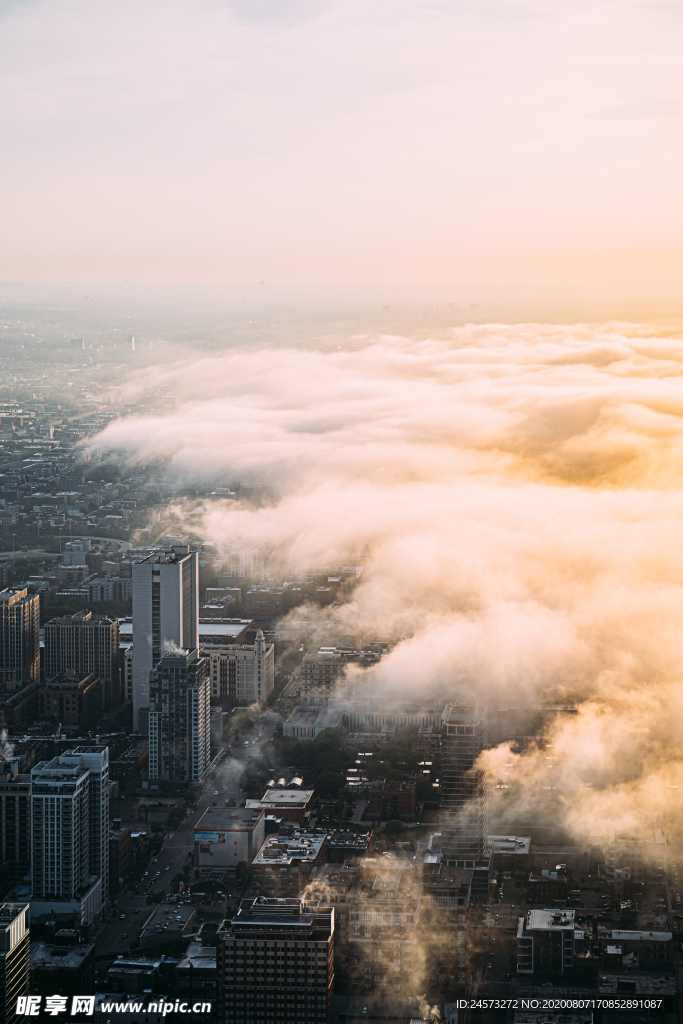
point(286, 797)
point(226, 631)
point(509, 844)
point(228, 819)
point(550, 920)
point(45, 954)
point(197, 955)
point(301, 845)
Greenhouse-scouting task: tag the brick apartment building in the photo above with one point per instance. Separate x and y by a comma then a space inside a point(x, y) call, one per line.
point(387, 800)
point(283, 865)
point(72, 698)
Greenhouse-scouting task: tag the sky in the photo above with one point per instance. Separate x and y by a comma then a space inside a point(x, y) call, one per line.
point(290, 141)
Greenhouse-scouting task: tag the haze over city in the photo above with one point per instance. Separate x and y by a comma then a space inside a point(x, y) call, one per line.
point(341, 438)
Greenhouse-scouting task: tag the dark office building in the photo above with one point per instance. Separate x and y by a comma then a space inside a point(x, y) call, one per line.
point(15, 824)
point(19, 638)
point(276, 963)
point(64, 968)
point(463, 785)
point(14, 958)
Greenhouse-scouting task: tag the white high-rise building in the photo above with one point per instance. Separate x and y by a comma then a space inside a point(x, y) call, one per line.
point(244, 563)
point(165, 615)
point(70, 827)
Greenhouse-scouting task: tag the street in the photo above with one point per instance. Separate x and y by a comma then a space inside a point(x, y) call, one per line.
point(178, 848)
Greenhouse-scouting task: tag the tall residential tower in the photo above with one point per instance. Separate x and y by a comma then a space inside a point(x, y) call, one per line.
point(19, 638)
point(179, 717)
point(463, 784)
point(70, 827)
point(165, 616)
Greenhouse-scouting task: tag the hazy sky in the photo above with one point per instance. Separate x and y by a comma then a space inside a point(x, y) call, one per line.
point(233, 140)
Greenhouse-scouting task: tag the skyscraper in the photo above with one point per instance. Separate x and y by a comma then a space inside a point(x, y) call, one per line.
point(276, 963)
point(15, 823)
point(463, 784)
point(85, 643)
point(15, 950)
point(19, 638)
point(165, 615)
point(179, 717)
point(70, 827)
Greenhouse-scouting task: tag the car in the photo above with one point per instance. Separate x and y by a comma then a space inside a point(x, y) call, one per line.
point(154, 860)
point(167, 868)
point(123, 917)
point(215, 792)
point(145, 874)
point(137, 910)
point(489, 966)
point(157, 873)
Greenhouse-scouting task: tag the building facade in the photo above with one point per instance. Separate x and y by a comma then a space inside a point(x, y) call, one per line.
point(15, 949)
point(391, 800)
point(19, 638)
point(276, 963)
point(265, 605)
point(546, 942)
point(165, 614)
point(283, 865)
point(70, 824)
point(15, 823)
point(120, 855)
point(377, 911)
point(85, 643)
point(72, 698)
point(241, 672)
point(127, 675)
point(179, 717)
point(463, 784)
point(227, 836)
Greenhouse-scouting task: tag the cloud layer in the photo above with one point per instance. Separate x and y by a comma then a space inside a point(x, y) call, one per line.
point(514, 493)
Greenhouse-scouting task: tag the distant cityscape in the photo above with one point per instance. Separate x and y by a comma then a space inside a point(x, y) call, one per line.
point(204, 800)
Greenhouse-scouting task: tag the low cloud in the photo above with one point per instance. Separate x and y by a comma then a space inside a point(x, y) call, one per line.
point(514, 493)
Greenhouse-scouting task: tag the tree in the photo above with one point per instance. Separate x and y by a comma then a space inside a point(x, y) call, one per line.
point(328, 785)
point(393, 829)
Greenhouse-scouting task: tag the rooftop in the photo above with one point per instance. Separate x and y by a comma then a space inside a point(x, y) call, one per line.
point(286, 797)
point(228, 819)
point(45, 954)
point(223, 629)
point(509, 844)
point(197, 955)
point(301, 845)
point(550, 920)
point(176, 554)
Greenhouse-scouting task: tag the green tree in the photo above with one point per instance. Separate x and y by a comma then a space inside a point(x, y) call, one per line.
point(328, 785)
point(392, 830)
